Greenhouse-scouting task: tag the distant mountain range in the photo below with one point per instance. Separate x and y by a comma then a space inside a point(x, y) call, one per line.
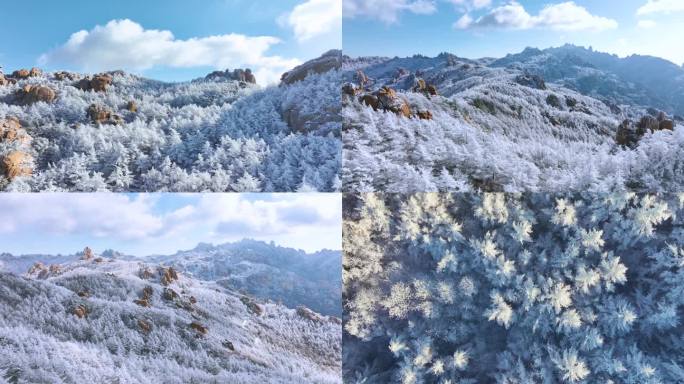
point(105, 320)
point(638, 80)
point(264, 270)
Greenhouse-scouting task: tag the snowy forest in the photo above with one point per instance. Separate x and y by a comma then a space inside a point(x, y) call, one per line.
point(555, 120)
point(513, 288)
point(104, 319)
point(64, 131)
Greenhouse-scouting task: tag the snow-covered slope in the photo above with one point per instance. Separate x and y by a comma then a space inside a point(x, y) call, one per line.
point(212, 134)
point(114, 321)
point(268, 271)
point(264, 270)
point(495, 127)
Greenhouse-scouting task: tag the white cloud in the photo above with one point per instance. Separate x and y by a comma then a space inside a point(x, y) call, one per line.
point(471, 4)
point(314, 18)
point(125, 44)
point(566, 16)
point(387, 11)
point(307, 221)
point(100, 215)
point(646, 24)
point(661, 6)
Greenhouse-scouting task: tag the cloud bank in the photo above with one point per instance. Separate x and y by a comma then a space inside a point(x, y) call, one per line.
point(314, 18)
point(289, 219)
point(387, 11)
point(125, 44)
point(661, 6)
point(566, 16)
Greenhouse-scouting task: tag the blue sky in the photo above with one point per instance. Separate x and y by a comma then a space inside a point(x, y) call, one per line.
point(297, 30)
point(496, 27)
point(145, 224)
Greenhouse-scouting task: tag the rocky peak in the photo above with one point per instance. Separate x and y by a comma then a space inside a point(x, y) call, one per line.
point(327, 62)
point(243, 75)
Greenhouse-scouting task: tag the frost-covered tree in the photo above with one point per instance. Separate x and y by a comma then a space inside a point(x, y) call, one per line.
point(204, 135)
point(505, 288)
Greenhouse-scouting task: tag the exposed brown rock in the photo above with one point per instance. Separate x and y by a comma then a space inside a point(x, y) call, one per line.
point(201, 329)
point(424, 88)
point(98, 260)
point(168, 275)
point(99, 114)
point(361, 78)
point(35, 72)
point(83, 293)
point(21, 74)
point(132, 106)
point(147, 292)
point(169, 294)
point(335, 320)
point(390, 101)
point(648, 123)
point(3, 80)
point(144, 326)
point(424, 115)
point(666, 125)
point(142, 302)
point(55, 269)
point(243, 75)
point(145, 273)
point(350, 89)
point(17, 164)
point(193, 300)
point(97, 83)
point(87, 254)
point(11, 131)
point(371, 101)
point(64, 75)
point(36, 269)
point(80, 311)
point(251, 306)
point(327, 62)
point(30, 94)
point(308, 314)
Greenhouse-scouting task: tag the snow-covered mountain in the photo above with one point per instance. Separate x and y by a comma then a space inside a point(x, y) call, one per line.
point(119, 132)
point(108, 320)
point(636, 79)
point(529, 122)
point(264, 270)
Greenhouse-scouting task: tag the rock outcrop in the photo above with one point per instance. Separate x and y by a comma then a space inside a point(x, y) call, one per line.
point(386, 99)
point(243, 75)
point(168, 275)
point(532, 81)
point(64, 75)
point(251, 305)
point(327, 62)
point(201, 329)
point(80, 311)
point(308, 314)
point(30, 94)
point(131, 106)
point(12, 132)
point(87, 254)
point(98, 83)
point(629, 134)
point(100, 114)
point(17, 164)
point(427, 89)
